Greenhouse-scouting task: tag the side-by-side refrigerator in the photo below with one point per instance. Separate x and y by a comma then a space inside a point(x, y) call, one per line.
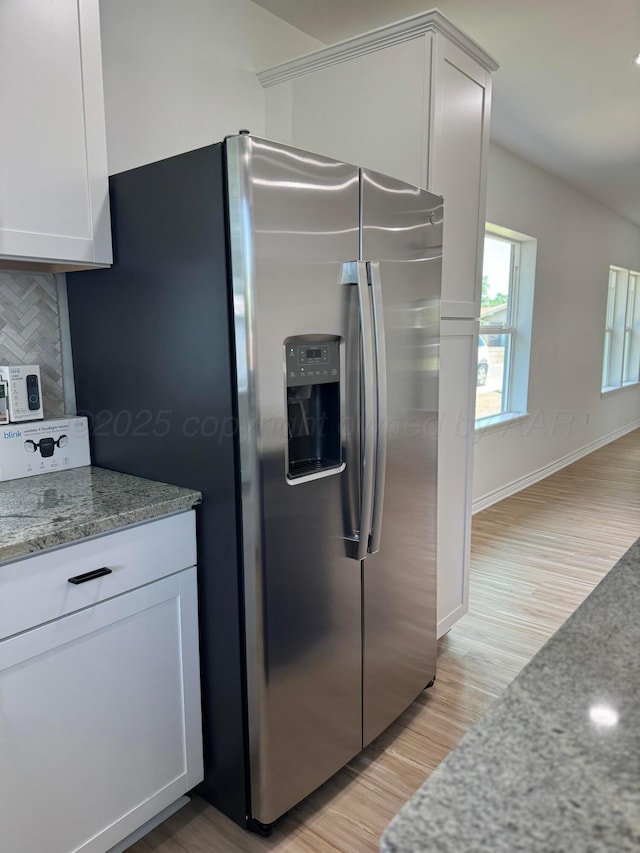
point(269, 335)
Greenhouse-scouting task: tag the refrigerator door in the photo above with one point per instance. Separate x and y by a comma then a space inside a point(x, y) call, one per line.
point(402, 241)
point(294, 227)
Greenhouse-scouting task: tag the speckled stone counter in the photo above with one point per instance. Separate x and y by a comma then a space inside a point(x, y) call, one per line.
point(56, 509)
point(555, 763)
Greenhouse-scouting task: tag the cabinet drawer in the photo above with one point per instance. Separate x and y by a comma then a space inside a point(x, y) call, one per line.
point(37, 589)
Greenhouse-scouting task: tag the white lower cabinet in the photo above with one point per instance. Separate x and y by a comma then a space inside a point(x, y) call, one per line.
point(100, 725)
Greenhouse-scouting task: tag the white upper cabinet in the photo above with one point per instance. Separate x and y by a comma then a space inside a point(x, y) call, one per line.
point(54, 204)
point(411, 100)
point(370, 110)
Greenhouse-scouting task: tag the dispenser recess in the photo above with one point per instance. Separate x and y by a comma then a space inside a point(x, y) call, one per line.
point(314, 447)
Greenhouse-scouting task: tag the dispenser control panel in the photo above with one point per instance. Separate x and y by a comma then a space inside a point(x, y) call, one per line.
point(312, 363)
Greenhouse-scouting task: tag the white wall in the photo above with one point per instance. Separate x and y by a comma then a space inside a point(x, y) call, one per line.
point(179, 74)
point(577, 241)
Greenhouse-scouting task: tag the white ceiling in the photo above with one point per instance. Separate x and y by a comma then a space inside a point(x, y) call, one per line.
point(567, 95)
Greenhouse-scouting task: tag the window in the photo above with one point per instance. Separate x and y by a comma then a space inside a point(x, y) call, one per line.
point(621, 357)
point(508, 275)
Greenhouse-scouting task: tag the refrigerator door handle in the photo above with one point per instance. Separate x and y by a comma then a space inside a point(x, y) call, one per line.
point(368, 418)
point(381, 407)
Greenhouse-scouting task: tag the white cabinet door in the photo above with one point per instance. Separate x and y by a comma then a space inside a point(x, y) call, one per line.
point(53, 169)
point(458, 352)
point(461, 94)
point(370, 110)
point(100, 720)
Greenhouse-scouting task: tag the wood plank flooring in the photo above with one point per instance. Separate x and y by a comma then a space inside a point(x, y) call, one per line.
point(535, 557)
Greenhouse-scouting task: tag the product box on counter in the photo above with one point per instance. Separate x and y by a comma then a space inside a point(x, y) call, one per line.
point(22, 392)
point(38, 447)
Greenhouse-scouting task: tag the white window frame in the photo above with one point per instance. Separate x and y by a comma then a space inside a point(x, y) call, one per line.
point(517, 328)
point(621, 348)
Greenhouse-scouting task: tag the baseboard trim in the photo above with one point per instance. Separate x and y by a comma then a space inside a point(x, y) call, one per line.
point(450, 620)
point(515, 486)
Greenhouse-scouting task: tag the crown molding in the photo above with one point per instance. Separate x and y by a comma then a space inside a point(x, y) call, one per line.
point(427, 22)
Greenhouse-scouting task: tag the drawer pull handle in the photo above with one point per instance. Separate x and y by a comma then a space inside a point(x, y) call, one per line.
point(90, 576)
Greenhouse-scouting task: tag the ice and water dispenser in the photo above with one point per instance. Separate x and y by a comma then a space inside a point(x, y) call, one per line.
point(313, 406)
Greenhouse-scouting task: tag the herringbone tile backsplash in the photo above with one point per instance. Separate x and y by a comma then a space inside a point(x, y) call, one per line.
point(30, 331)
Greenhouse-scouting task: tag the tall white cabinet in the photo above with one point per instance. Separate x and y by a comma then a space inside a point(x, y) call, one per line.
point(54, 205)
point(413, 100)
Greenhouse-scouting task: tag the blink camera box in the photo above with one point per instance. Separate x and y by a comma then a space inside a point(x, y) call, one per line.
point(43, 446)
point(4, 403)
point(23, 392)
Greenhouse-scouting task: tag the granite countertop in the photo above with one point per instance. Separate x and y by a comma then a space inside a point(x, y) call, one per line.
point(59, 508)
point(555, 763)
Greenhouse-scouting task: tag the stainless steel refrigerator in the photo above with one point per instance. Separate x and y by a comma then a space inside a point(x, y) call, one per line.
point(269, 334)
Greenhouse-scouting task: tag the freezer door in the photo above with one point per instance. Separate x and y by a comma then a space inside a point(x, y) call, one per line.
point(294, 226)
point(402, 243)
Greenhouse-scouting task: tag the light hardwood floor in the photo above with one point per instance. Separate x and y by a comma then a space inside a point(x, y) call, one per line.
point(535, 557)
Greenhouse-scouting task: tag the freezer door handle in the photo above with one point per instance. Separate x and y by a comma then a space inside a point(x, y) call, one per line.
point(381, 406)
point(368, 421)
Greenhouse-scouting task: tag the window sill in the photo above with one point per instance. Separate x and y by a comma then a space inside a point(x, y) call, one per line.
point(498, 421)
point(604, 392)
